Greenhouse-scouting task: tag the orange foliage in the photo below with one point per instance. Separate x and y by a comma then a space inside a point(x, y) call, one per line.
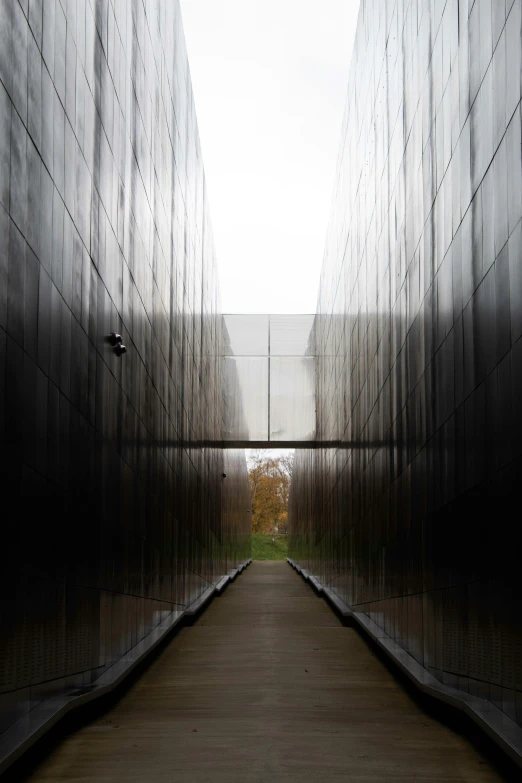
point(269, 487)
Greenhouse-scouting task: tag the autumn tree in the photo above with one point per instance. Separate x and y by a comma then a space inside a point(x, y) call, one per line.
point(269, 486)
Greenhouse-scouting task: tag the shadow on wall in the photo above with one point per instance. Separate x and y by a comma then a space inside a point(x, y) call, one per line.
point(116, 514)
point(409, 516)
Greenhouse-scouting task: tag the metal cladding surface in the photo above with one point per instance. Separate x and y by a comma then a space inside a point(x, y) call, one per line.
point(116, 511)
point(410, 511)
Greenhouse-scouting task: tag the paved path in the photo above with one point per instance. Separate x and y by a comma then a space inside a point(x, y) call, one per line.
point(267, 686)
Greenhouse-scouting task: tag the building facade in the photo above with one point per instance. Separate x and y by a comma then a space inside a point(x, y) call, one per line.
point(116, 509)
point(409, 510)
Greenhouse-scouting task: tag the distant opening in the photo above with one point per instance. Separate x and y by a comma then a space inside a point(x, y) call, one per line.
point(270, 474)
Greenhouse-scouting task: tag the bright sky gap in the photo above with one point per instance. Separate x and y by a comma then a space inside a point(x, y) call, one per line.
point(269, 80)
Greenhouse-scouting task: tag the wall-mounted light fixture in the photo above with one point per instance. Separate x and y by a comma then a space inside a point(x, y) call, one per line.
point(115, 340)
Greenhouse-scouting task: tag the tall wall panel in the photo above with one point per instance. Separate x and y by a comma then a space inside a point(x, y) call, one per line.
point(410, 511)
point(115, 511)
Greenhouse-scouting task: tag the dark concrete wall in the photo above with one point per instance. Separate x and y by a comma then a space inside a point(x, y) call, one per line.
point(114, 508)
point(412, 514)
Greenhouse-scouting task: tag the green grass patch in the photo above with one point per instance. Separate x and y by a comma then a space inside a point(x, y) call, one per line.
point(264, 549)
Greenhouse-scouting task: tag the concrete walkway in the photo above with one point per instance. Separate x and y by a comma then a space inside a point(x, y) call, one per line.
point(267, 686)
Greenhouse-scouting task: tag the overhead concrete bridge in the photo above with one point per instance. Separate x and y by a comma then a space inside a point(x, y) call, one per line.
point(389, 646)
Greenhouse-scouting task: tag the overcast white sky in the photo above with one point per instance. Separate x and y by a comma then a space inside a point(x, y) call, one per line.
point(270, 79)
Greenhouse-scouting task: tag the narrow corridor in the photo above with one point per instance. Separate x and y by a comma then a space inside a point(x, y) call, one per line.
point(267, 685)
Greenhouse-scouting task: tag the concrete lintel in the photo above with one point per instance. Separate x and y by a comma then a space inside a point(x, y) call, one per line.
point(269, 444)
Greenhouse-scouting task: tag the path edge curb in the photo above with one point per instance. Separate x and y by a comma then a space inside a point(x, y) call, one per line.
point(495, 723)
point(25, 732)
